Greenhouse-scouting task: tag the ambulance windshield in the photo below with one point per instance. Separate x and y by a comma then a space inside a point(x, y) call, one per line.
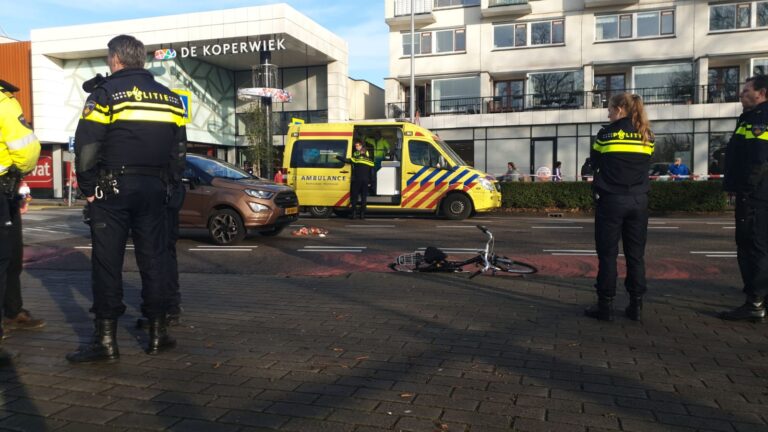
point(455, 159)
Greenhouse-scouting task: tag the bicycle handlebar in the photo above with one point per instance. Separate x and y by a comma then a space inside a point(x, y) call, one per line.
point(482, 228)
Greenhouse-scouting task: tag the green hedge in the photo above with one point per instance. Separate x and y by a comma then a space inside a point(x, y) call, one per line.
point(686, 196)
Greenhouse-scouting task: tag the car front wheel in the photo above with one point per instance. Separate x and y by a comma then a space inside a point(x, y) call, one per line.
point(225, 227)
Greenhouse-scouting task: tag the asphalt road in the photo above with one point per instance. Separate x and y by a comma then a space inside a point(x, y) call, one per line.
point(678, 247)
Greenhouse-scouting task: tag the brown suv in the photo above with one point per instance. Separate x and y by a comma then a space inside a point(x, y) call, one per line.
point(229, 202)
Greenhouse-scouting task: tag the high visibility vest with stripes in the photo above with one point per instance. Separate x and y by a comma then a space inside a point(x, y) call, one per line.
point(622, 142)
point(18, 144)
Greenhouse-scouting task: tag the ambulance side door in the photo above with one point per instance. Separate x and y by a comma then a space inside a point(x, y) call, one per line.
point(321, 179)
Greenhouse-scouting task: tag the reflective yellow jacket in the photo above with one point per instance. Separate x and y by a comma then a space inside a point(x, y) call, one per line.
point(18, 144)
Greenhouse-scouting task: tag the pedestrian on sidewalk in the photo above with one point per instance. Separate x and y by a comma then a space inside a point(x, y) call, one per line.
point(746, 176)
point(19, 151)
point(621, 156)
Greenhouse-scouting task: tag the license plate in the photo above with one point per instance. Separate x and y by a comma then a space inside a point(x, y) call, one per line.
point(291, 210)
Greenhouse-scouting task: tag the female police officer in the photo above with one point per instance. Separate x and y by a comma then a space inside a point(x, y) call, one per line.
point(621, 158)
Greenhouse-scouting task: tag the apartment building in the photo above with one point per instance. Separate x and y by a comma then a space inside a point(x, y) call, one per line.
point(528, 80)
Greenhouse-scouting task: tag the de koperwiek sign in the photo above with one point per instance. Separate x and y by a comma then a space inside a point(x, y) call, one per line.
point(243, 47)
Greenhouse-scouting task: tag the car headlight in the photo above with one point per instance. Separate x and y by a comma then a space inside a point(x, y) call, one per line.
point(261, 194)
point(486, 184)
point(258, 208)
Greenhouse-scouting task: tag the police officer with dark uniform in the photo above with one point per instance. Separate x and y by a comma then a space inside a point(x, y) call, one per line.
point(362, 165)
point(746, 175)
point(621, 157)
point(128, 140)
point(19, 150)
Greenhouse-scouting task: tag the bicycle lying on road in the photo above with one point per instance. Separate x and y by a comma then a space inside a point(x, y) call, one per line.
point(434, 260)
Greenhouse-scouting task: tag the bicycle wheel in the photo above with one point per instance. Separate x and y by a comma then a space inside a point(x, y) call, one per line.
point(511, 266)
point(407, 263)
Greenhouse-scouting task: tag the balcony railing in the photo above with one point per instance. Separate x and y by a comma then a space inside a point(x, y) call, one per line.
point(403, 7)
point(494, 3)
point(676, 95)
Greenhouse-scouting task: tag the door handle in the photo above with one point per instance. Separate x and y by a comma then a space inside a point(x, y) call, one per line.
point(344, 172)
point(411, 172)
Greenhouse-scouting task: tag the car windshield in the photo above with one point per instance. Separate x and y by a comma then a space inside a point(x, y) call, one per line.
point(455, 158)
point(218, 168)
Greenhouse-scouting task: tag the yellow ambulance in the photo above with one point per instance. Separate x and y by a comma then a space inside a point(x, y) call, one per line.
point(414, 171)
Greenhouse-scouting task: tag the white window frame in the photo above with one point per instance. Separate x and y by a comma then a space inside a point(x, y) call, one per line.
point(633, 23)
point(528, 34)
point(752, 16)
point(752, 62)
point(433, 42)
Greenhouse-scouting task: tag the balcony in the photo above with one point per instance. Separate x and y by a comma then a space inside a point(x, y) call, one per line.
point(495, 8)
point(601, 3)
point(596, 99)
point(401, 18)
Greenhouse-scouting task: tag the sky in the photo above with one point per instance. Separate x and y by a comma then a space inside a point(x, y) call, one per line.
point(359, 22)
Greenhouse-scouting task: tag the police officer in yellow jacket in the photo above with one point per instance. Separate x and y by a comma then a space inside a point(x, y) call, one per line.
point(19, 150)
point(746, 175)
point(621, 157)
point(127, 143)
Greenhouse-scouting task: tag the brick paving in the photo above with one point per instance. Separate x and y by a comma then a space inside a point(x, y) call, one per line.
point(386, 351)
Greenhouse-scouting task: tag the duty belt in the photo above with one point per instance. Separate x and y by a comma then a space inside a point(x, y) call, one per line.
point(140, 170)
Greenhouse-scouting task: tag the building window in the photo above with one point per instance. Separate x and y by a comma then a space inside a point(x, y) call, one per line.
point(456, 95)
point(508, 96)
point(407, 44)
point(723, 84)
point(737, 16)
point(551, 32)
point(759, 66)
point(718, 142)
point(637, 25)
point(453, 3)
point(559, 89)
point(762, 14)
point(439, 41)
point(664, 83)
point(607, 86)
point(670, 146)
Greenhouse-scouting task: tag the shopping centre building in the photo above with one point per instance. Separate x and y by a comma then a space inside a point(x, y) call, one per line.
point(528, 80)
point(207, 57)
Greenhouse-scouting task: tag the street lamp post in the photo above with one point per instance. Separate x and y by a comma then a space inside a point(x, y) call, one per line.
point(413, 69)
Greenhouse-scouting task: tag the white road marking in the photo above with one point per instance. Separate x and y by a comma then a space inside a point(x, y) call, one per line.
point(721, 256)
point(719, 223)
point(713, 252)
point(574, 254)
point(224, 247)
point(127, 247)
point(663, 227)
point(571, 250)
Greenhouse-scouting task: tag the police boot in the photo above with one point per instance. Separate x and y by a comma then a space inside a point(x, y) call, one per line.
point(158, 336)
point(104, 345)
point(362, 214)
point(602, 311)
point(635, 309)
point(752, 310)
point(353, 214)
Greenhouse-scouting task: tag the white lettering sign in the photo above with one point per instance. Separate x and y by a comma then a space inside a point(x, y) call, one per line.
point(233, 48)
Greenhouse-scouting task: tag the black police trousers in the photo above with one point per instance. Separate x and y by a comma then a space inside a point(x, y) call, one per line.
point(622, 217)
point(752, 245)
point(359, 190)
point(176, 200)
point(141, 209)
point(11, 255)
